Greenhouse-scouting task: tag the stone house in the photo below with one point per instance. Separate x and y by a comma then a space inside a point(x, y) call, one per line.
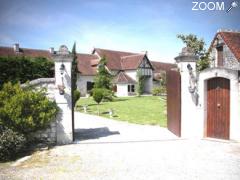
point(206, 104)
point(225, 50)
point(122, 65)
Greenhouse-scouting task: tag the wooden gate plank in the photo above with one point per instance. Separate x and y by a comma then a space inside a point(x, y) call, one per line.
point(218, 108)
point(174, 102)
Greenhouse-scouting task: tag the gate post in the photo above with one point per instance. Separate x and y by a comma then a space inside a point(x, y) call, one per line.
point(186, 62)
point(63, 65)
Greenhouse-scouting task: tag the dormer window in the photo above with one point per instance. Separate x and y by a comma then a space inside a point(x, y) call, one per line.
point(219, 56)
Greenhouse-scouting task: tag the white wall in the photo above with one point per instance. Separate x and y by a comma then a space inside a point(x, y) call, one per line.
point(122, 90)
point(148, 85)
point(189, 124)
point(132, 74)
point(82, 83)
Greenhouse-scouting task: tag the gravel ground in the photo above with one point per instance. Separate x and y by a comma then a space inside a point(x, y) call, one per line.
point(112, 150)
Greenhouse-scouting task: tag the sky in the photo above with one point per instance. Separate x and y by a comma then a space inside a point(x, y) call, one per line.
point(125, 25)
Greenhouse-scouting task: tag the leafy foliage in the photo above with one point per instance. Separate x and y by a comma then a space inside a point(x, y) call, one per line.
point(22, 69)
point(75, 92)
point(140, 83)
point(76, 96)
point(98, 94)
point(103, 78)
point(197, 45)
point(11, 143)
point(159, 90)
point(25, 110)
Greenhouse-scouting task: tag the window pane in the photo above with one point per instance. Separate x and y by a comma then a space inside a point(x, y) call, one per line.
point(128, 88)
point(133, 88)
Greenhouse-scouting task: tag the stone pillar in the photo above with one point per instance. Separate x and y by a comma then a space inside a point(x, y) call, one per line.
point(63, 65)
point(186, 62)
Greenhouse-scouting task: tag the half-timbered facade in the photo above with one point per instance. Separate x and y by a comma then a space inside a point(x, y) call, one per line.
point(124, 66)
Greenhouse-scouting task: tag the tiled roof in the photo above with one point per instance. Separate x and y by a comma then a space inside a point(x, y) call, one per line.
point(8, 51)
point(232, 39)
point(123, 78)
point(113, 57)
point(87, 64)
point(160, 66)
point(131, 61)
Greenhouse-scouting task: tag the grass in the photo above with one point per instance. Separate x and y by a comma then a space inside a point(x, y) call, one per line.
point(140, 110)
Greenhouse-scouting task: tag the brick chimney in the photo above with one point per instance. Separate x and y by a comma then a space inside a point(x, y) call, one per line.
point(16, 47)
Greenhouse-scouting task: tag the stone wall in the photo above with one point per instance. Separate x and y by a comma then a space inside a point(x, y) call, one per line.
point(229, 60)
point(48, 135)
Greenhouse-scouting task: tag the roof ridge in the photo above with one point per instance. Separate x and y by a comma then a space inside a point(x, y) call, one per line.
point(114, 50)
point(132, 55)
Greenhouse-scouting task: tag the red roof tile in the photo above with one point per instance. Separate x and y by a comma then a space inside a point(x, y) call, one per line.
point(160, 66)
point(87, 64)
point(123, 78)
point(8, 51)
point(113, 57)
point(131, 62)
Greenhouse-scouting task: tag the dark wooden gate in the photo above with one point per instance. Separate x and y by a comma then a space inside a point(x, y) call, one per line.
point(174, 102)
point(218, 108)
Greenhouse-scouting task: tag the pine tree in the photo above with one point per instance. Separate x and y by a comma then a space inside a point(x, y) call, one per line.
point(74, 68)
point(103, 78)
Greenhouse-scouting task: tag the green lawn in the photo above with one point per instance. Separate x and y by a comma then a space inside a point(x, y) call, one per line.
point(140, 110)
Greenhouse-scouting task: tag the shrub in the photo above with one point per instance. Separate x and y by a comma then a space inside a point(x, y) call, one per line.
point(159, 90)
point(23, 69)
point(98, 94)
point(108, 95)
point(25, 110)
point(11, 143)
point(76, 96)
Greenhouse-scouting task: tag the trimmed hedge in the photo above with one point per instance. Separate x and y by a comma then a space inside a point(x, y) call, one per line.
point(22, 69)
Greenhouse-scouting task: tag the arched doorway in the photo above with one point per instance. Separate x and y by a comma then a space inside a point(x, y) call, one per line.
point(218, 108)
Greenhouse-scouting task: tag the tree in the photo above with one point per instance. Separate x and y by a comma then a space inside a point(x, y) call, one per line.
point(21, 69)
point(98, 95)
point(75, 92)
point(103, 78)
point(140, 83)
point(197, 45)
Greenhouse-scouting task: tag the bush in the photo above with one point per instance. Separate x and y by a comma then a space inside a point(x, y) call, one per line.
point(98, 94)
point(25, 110)
point(11, 143)
point(159, 90)
point(76, 96)
point(108, 95)
point(23, 69)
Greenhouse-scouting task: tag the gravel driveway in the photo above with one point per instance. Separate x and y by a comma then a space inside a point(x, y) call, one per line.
point(112, 150)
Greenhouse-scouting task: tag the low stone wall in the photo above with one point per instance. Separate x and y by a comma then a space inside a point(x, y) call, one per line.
point(48, 135)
